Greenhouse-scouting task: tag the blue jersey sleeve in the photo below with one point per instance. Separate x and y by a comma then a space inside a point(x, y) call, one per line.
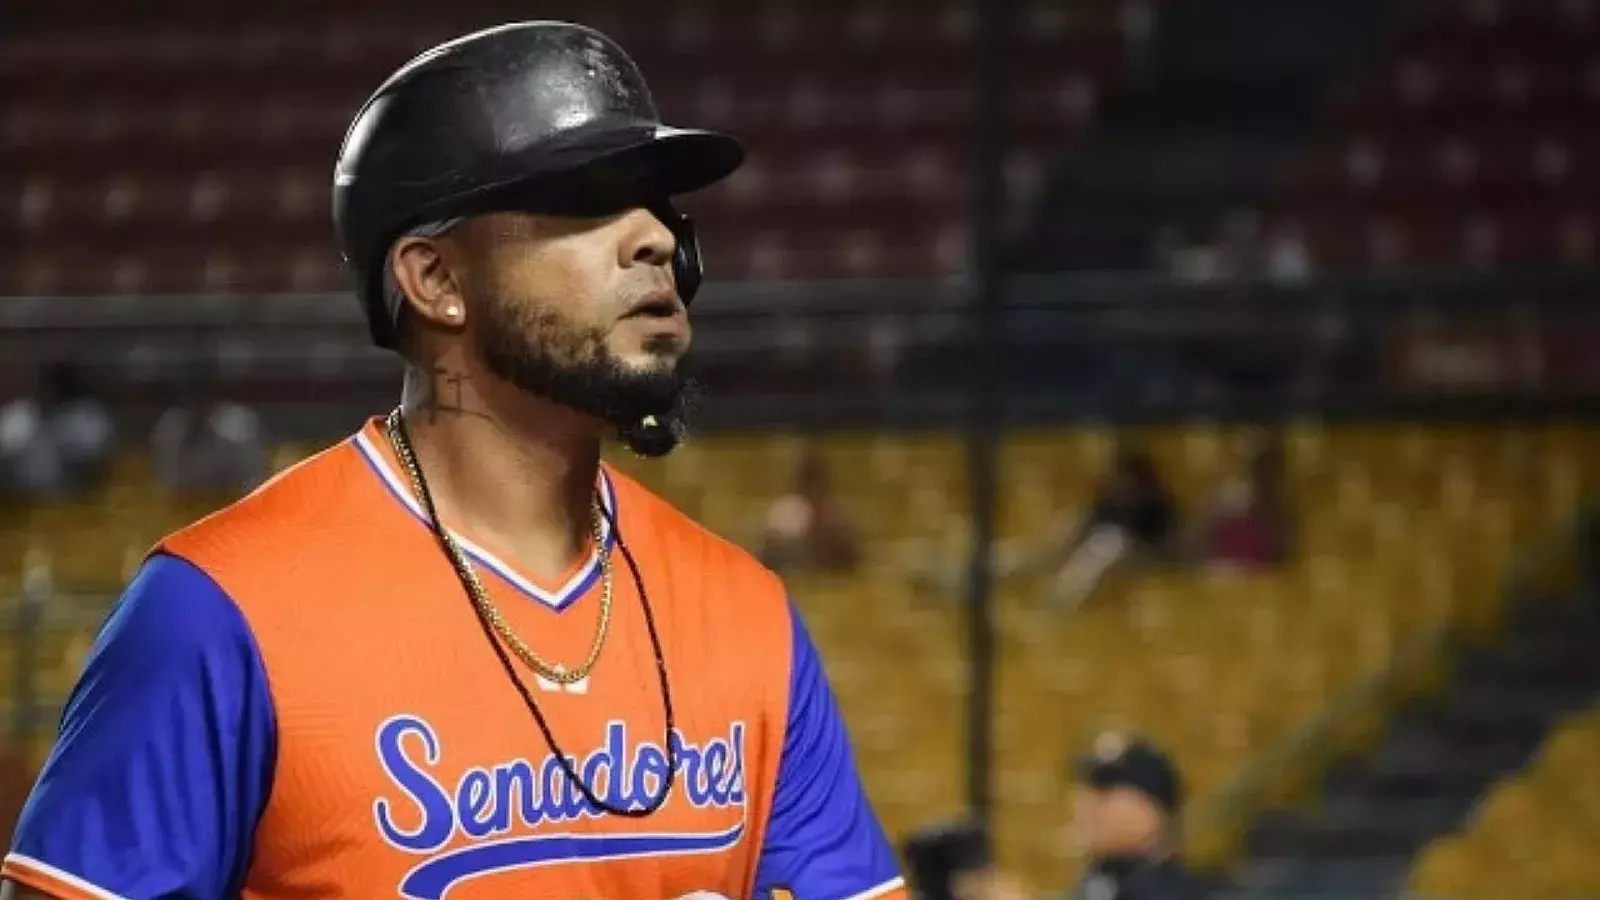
point(165, 756)
point(823, 840)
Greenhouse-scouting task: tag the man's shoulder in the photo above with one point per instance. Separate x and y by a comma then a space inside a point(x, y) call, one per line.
point(681, 536)
point(287, 512)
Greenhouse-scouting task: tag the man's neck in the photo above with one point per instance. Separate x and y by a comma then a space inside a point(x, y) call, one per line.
point(516, 469)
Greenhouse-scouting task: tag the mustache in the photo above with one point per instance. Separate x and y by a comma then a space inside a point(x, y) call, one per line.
point(663, 344)
point(651, 296)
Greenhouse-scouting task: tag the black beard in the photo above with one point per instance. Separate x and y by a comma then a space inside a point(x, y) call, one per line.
point(544, 354)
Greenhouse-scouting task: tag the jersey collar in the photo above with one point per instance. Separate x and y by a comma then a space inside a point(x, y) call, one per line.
point(379, 457)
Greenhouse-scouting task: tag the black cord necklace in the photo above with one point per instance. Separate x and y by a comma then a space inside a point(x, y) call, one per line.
point(402, 445)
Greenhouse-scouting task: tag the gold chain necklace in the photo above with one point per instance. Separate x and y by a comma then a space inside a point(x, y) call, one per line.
point(480, 598)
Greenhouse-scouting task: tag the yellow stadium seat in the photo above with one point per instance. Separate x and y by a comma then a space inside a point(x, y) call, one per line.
point(1535, 834)
point(1445, 870)
point(1397, 529)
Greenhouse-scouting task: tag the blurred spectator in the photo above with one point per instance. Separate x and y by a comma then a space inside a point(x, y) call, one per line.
point(1241, 250)
point(1134, 517)
point(808, 528)
point(1189, 261)
point(1166, 248)
point(955, 862)
point(28, 462)
point(1287, 259)
point(209, 444)
point(1235, 253)
point(1248, 523)
point(59, 439)
point(1125, 807)
point(1241, 244)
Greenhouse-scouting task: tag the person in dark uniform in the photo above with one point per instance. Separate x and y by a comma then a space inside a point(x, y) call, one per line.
point(1125, 809)
point(954, 861)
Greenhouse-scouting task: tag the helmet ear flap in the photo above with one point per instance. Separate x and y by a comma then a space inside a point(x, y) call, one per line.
point(688, 270)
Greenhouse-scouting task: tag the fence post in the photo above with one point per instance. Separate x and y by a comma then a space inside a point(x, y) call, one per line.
point(985, 419)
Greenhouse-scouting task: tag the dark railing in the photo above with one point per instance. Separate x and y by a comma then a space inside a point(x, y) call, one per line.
point(897, 353)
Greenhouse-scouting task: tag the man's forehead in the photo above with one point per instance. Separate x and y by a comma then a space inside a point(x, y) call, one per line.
point(1127, 795)
point(520, 225)
point(506, 224)
point(487, 233)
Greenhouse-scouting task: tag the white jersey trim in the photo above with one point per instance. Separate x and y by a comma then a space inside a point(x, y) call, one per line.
point(879, 891)
point(576, 586)
point(28, 863)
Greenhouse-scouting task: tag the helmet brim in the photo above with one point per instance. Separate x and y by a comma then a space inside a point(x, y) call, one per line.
point(665, 159)
point(599, 170)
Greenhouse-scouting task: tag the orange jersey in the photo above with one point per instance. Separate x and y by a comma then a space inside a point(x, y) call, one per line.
point(296, 699)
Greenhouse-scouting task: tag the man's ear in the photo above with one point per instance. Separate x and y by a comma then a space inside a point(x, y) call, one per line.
point(425, 272)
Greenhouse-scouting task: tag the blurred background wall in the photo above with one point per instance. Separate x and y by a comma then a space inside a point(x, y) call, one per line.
point(1291, 394)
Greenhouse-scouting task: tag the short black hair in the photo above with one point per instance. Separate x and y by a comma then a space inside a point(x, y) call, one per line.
point(405, 335)
point(937, 854)
point(405, 330)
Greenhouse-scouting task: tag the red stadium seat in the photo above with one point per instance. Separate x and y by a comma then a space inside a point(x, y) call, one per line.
point(213, 129)
point(1469, 142)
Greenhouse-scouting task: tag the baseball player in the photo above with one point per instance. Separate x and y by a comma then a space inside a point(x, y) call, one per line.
point(456, 655)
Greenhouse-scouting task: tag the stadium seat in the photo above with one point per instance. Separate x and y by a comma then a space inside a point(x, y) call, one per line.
point(1466, 140)
point(1400, 528)
point(1535, 831)
point(131, 127)
point(1397, 529)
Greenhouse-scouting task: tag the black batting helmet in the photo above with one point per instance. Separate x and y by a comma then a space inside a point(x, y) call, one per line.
point(534, 116)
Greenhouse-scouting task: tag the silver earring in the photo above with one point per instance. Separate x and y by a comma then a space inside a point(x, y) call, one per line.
point(452, 311)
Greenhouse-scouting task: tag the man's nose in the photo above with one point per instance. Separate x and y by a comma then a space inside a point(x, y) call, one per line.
point(649, 240)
